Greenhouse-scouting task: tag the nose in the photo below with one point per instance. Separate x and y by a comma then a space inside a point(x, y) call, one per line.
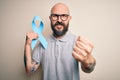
point(59, 19)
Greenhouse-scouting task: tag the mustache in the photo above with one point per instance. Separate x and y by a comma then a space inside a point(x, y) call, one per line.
point(59, 23)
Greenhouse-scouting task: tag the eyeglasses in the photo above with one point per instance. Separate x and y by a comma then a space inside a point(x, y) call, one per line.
point(63, 17)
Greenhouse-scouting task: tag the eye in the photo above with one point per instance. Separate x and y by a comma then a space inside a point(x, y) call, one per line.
point(64, 17)
point(54, 17)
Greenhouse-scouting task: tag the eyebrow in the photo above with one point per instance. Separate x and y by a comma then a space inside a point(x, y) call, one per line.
point(60, 14)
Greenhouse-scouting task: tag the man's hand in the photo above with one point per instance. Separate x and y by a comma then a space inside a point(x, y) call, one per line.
point(82, 52)
point(30, 65)
point(30, 36)
point(82, 49)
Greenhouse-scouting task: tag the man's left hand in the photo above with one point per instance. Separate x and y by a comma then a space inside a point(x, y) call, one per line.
point(82, 51)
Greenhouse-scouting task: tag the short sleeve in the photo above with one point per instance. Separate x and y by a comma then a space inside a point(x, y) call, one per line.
point(37, 54)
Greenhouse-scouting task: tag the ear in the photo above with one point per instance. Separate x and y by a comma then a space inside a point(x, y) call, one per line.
point(50, 17)
point(70, 17)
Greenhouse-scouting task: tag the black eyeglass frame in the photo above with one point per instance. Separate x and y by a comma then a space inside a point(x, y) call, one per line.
point(55, 17)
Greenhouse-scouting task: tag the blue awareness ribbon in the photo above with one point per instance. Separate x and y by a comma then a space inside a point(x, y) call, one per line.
point(38, 30)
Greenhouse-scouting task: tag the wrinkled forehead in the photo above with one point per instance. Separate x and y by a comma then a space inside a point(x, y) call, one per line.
point(60, 9)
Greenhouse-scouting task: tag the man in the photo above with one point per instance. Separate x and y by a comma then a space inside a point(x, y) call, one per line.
point(60, 60)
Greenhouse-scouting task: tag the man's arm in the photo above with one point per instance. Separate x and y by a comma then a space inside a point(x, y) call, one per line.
point(82, 53)
point(88, 64)
point(30, 65)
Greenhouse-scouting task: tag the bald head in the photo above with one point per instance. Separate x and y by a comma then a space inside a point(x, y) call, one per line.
point(60, 8)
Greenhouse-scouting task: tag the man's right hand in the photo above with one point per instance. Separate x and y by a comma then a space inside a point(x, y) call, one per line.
point(30, 36)
point(30, 65)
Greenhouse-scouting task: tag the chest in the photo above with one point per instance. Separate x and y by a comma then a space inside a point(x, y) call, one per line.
point(59, 52)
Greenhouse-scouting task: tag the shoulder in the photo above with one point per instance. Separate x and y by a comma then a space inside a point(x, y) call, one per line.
point(71, 35)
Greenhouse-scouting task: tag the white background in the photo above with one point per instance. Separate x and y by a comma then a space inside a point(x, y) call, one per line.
point(97, 20)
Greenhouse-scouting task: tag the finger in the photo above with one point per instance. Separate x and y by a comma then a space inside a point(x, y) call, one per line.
point(85, 41)
point(89, 44)
point(80, 51)
point(35, 35)
point(80, 44)
point(86, 48)
point(32, 35)
point(77, 56)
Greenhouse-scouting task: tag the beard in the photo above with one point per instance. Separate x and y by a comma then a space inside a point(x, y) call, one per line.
point(58, 33)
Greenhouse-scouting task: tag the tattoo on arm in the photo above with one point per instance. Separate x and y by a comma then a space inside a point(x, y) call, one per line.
point(90, 68)
point(34, 68)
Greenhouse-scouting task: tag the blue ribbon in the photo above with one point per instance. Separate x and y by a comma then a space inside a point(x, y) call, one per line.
point(38, 30)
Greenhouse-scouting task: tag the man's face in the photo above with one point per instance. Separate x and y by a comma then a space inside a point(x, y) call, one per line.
point(59, 27)
point(59, 21)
